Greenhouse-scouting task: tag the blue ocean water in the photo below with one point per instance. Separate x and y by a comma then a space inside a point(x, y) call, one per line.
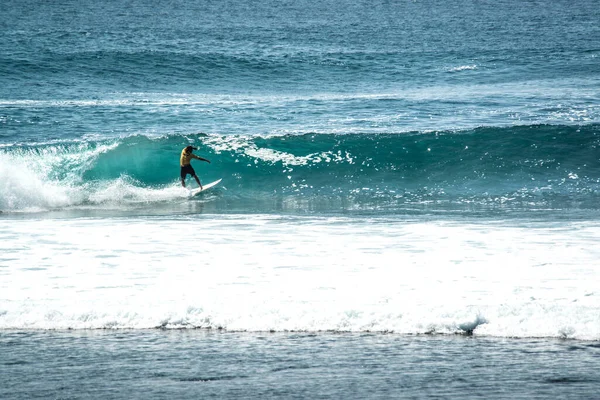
point(399, 177)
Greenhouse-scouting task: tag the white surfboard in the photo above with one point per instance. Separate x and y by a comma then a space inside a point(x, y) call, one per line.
point(204, 187)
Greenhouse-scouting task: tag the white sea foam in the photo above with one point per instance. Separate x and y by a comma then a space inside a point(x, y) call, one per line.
point(462, 68)
point(26, 187)
point(541, 90)
point(246, 147)
point(124, 191)
point(28, 184)
point(312, 274)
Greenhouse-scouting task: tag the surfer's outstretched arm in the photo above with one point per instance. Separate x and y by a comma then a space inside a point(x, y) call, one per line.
point(201, 159)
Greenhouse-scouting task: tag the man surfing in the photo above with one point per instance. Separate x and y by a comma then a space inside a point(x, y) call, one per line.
point(186, 166)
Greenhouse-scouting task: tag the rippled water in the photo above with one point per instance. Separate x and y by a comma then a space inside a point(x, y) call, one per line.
point(197, 364)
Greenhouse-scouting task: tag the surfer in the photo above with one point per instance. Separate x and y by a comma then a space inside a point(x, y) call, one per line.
point(186, 166)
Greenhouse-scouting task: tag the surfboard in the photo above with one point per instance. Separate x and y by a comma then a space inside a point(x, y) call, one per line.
point(205, 187)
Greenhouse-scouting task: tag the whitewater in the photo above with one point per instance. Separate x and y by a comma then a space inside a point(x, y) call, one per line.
point(304, 274)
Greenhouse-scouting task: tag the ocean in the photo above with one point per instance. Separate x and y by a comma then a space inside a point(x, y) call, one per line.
point(409, 205)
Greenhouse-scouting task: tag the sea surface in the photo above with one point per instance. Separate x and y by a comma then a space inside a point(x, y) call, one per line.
point(409, 204)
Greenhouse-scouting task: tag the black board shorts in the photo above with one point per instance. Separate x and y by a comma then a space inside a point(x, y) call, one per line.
point(187, 169)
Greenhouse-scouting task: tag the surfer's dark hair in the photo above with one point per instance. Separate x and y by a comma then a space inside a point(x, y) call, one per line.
point(190, 148)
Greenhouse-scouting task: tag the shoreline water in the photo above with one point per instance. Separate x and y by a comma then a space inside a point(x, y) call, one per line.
point(192, 364)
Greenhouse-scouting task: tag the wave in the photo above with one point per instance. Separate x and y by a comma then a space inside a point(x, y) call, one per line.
point(525, 166)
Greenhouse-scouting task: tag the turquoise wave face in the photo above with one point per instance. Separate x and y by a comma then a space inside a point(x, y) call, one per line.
point(528, 167)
